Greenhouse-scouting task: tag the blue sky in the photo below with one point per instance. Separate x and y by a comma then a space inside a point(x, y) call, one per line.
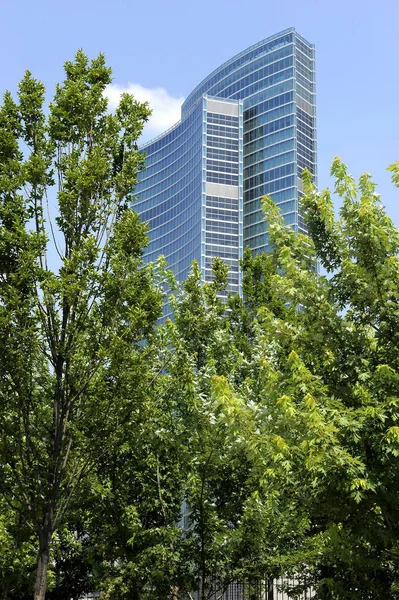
point(162, 50)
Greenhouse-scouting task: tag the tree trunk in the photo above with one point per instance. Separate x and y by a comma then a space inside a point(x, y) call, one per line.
point(43, 558)
point(174, 592)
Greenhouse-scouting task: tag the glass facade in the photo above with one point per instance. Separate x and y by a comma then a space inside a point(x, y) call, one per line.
point(247, 130)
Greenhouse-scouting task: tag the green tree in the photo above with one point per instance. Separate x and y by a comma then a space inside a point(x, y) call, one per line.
point(216, 467)
point(72, 354)
point(326, 353)
point(359, 516)
point(183, 457)
point(137, 496)
point(18, 554)
point(212, 359)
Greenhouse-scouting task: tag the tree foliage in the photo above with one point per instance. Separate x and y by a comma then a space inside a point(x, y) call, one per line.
point(72, 357)
point(328, 349)
point(250, 438)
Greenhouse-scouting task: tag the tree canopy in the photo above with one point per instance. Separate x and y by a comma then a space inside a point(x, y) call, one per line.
point(72, 337)
point(248, 439)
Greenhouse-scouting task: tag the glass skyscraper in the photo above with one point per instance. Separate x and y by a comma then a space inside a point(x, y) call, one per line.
point(248, 129)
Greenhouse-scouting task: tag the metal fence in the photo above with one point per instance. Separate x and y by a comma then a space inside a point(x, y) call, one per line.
point(261, 590)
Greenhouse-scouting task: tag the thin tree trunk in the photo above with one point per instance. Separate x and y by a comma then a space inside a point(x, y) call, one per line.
point(43, 558)
point(41, 575)
point(174, 592)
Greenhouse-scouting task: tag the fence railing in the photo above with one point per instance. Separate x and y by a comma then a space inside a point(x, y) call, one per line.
point(275, 589)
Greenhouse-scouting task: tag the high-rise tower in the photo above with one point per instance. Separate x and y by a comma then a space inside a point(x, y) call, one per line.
point(248, 129)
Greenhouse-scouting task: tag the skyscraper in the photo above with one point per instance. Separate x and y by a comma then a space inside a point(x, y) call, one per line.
point(248, 129)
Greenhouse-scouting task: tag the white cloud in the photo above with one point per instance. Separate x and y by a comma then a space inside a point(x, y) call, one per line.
point(165, 108)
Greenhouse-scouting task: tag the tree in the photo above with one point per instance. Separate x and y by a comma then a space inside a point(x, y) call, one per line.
point(285, 404)
point(359, 516)
point(17, 560)
point(326, 350)
point(216, 466)
point(136, 498)
point(184, 462)
point(73, 361)
point(212, 364)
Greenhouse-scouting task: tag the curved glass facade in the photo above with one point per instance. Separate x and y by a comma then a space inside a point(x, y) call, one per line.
point(248, 129)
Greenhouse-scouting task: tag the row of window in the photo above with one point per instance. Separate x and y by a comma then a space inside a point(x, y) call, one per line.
point(149, 199)
point(171, 184)
point(270, 92)
point(181, 260)
point(303, 163)
point(290, 219)
point(302, 224)
point(255, 217)
point(222, 166)
point(224, 178)
point(212, 250)
point(209, 276)
point(255, 229)
point(166, 144)
point(276, 161)
point(272, 150)
point(223, 295)
point(306, 95)
point(305, 117)
point(258, 244)
point(218, 119)
point(168, 207)
point(305, 129)
point(258, 228)
point(222, 131)
point(269, 188)
point(251, 68)
point(183, 157)
point(171, 214)
point(220, 202)
point(215, 142)
point(267, 140)
point(221, 227)
point(268, 116)
point(303, 70)
point(222, 154)
point(307, 51)
point(221, 171)
point(222, 214)
point(305, 152)
point(182, 250)
point(265, 107)
point(222, 239)
point(255, 76)
point(305, 83)
point(231, 263)
point(246, 57)
point(168, 230)
point(267, 176)
point(306, 141)
point(239, 93)
point(308, 62)
point(272, 122)
point(267, 129)
point(170, 243)
point(304, 105)
point(278, 197)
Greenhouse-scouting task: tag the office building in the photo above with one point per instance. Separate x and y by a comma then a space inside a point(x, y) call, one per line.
point(248, 129)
